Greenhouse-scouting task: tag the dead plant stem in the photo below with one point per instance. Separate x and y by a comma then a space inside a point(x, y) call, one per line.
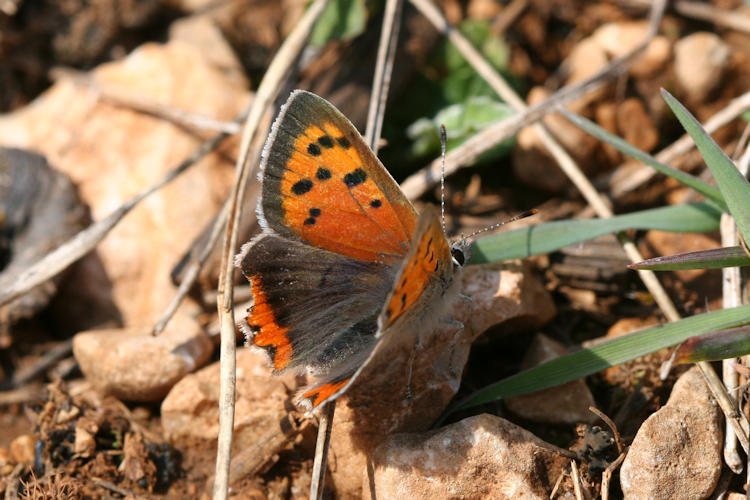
point(278, 70)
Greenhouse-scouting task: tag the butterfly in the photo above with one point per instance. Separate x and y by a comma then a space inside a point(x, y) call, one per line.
point(344, 265)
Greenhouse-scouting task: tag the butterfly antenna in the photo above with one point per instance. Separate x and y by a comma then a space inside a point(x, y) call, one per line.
point(522, 215)
point(443, 141)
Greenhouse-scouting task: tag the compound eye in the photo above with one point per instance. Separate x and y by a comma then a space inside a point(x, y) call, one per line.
point(458, 256)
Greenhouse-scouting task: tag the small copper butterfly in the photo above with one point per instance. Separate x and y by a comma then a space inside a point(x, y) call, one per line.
point(344, 265)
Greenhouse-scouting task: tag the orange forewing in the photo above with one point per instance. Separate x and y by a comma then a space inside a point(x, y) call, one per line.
point(430, 258)
point(327, 188)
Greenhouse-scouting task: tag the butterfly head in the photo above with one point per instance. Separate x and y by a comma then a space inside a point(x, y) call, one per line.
point(460, 252)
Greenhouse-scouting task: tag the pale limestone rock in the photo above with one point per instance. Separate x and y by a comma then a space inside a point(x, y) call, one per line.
point(700, 61)
point(133, 365)
point(479, 457)
point(677, 452)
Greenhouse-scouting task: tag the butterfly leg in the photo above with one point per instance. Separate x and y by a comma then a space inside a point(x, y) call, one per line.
point(459, 329)
point(465, 297)
point(410, 367)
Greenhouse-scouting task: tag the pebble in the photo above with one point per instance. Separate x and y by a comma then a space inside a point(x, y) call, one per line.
point(479, 457)
point(677, 452)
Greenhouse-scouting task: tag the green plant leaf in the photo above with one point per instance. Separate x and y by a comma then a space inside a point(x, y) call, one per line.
point(715, 258)
point(710, 192)
point(341, 20)
point(610, 353)
point(733, 185)
point(544, 238)
point(714, 346)
point(461, 122)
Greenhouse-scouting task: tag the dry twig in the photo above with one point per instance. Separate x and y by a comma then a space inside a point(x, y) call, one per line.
point(607, 474)
point(278, 70)
point(136, 102)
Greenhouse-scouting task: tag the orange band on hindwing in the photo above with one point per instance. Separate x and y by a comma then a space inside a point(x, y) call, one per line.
point(267, 333)
point(321, 393)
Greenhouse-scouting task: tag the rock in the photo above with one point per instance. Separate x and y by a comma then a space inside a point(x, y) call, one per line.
point(22, 449)
point(677, 452)
point(112, 152)
point(535, 166)
point(565, 404)
point(376, 405)
point(191, 409)
point(39, 211)
point(700, 61)
point(609, 42)
point(635, 125)
point(479, 457)
point(201, 32)
point(620, 38)
point(85, 444)
point(5, 458)
point(133, 365)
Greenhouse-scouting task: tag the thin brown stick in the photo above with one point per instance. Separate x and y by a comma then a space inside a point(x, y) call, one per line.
point(578, 489)
point(61, 350)
point(108, 485)
point(22, 395)
point(321, 451)
point(193, 269)
point(381, 82)
point(82, 243)
point(607, 474)
point(11, 484)
point(278, 69)
point(140, 103)
point(732, 19)
point(732, 297)
point(466, 154)
point(559, 481)
point(262, 451)
point(618, 440)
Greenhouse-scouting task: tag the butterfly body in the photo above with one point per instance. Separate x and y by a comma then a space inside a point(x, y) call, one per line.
point(344, 267)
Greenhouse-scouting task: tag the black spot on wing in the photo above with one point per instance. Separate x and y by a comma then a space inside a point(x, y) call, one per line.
point(323, 174)
point(325, 141)
point(344, 142)
point(376, 203)
point(355, 178)
point(302, 186)
point(313, 149)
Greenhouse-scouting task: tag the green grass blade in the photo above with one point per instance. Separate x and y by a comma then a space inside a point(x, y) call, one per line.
point(544, 238)
point(715, 258)
point(707, 190)
point(732, 184)
point(714, 346)
point(614, 352)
